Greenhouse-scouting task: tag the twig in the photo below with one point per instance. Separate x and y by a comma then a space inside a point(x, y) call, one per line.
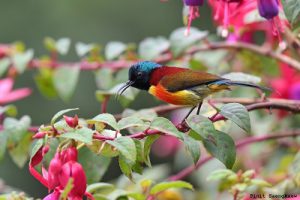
point(239, 144)
point(164, 58)
point(251, 47)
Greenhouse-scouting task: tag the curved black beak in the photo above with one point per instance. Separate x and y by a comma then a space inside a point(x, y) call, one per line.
point(123, 88)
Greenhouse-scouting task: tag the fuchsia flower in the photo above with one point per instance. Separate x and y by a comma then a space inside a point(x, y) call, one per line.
point(7, 94)
point(193, 12)
point(287, 86)
point(62, 168)
point(233, 16)
point(269, 9)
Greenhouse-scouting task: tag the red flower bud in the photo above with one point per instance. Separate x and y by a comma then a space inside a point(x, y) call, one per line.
point(39, 135)
point(71, 121)
point(53, 172)
point(69, 154)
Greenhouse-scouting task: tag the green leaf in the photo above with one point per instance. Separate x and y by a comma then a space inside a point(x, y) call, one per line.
point(44, 82)
point(238, 114)
point(82, 48)
point(125, 167)
point(126, 147)
point(151, 48)
point(147, 148)
point(239, 76)
point(220, 174)
point(84, 135)
point(167, 185)
point(292, 10)
point(201, 125)
point(16, 129)
point(101, 188)
point(65, 80)
point(131, 122)
point(165, 126)
point(114, 49)
point(193, 147)
point(94, 165)
point(260, 183)
point(21, 60)
point(179, 42)
point(221, 146)
point(49, 44)
point(104, 78)
point(4, 64)
point(107, 119)
point(136, 196)
point(36, 147)
point(3, 141)
point(20, 153)
point(62, 45)
point(60, 113)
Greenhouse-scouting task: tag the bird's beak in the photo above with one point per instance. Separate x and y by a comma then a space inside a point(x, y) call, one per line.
point(123, 88)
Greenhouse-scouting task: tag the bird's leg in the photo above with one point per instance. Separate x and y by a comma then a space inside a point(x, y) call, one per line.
point(188, 114)
point(199, 107)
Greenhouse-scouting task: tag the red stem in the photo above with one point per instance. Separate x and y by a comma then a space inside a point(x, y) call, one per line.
point(239, 144)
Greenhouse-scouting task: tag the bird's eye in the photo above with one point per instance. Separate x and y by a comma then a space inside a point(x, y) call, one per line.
point(139, 74)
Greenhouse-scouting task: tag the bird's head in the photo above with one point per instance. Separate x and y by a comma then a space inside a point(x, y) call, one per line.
point(139, 75)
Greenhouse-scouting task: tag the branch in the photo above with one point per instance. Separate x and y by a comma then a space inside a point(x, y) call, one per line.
point(239, 144)
point(253, 104)
point(251, 47)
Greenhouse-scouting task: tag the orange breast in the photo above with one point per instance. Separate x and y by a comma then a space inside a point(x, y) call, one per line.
point(183, 97)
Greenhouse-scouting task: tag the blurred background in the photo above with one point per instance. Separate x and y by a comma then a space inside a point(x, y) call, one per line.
point(88, 21)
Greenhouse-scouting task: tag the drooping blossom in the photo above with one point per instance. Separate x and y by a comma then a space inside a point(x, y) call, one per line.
point(269, 9)
point(237, 21)
point(7, 94)
point(62, 168)
point(287, 86)
point(193, 12)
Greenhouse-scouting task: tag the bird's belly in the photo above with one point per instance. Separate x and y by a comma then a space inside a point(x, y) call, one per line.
point(183, 97)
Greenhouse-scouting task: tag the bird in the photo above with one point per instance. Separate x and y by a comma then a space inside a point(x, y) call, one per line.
point(178, 86)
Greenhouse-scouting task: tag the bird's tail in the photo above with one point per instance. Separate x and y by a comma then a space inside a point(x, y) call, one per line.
point(241, 83)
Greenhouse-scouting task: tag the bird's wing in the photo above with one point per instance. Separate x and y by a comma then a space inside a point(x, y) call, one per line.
point(187, 80)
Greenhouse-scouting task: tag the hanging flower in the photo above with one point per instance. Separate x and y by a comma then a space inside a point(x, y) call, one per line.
point(7, 94)
point(62, 168)
point(193, 12)
point(269, 9)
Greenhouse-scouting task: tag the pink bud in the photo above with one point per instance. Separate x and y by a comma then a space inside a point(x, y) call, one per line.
point(69, 154)
point(39, 135)
point(73, 170)
point(53, 172)
point(46, 149)
point(71, 121)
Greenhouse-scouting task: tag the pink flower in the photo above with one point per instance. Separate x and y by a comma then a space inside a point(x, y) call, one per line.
point(287, 86)
point(193, 12)
point(62, 168)
point(233, 16)
point(7, 94)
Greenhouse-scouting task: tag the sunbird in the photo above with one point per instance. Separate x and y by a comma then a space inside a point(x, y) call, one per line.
point(178, 86)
